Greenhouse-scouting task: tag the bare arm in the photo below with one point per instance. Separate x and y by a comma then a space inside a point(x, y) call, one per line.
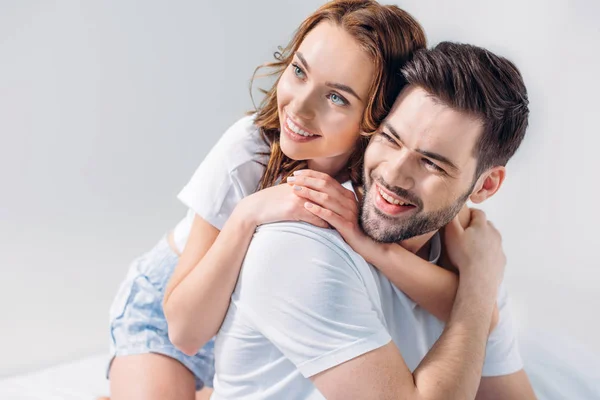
point(430, 286)
point(452, 368)
point(198, 294)
point(514, 386)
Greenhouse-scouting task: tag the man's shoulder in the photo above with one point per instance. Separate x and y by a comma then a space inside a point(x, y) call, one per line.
point(287, 249)
point(302, 233)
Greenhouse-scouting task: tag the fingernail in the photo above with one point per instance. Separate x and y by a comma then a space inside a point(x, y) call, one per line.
point(308, 205)
point(296, 187)
point(291, 179)
point(297, 172)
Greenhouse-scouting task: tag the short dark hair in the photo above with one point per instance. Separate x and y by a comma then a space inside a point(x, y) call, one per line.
point(474, 80)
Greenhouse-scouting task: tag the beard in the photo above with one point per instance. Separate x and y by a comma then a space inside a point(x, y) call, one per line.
point(386, 229)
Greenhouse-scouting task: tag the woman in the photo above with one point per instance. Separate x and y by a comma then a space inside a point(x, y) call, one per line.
point(336, 79)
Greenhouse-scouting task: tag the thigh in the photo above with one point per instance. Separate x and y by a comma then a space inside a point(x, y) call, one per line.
point(204, 393)
point(150, 377)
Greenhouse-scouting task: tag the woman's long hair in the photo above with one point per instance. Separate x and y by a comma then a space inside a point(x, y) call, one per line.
point(387, 33)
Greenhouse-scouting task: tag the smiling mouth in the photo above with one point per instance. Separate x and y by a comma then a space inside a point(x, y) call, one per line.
point(391, 199)
point(292, 126)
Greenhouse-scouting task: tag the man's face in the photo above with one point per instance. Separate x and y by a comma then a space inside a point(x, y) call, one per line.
point(419, 168)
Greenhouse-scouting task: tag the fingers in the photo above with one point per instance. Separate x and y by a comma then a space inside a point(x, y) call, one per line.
point(344, 207)
point(454, 226)
point(464, 216)
point(330, 217)
point(313, 220)
point(477, 217)
point(311, 173)
point(496, 231)
point(321, 182)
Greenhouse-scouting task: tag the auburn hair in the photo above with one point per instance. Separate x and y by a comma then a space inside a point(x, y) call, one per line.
point(387, 33)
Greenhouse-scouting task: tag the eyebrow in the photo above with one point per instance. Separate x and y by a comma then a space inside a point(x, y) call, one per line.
point(303, 61)
point(428, 154)
point(338, 86)
point(343, 88)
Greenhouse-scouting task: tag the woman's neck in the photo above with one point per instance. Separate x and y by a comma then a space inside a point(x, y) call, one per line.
point(331, 166)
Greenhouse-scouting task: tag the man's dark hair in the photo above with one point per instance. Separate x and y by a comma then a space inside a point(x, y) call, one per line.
point(474, 80)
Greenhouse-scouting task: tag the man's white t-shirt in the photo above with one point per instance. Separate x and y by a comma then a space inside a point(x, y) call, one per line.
point(305, 302)
point(229, 172)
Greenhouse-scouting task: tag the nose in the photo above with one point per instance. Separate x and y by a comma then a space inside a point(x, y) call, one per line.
point(400, 171)
point(303, 104)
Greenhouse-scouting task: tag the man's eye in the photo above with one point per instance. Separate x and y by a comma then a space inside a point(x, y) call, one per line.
point(387, 137)
point(431, 165)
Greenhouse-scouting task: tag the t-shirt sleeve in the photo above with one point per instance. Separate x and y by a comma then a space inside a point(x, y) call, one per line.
point(228, 173)
point(306, 296)
point(502, 355)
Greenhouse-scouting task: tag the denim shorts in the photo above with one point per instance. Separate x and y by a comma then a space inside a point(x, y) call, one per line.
point(137, 321)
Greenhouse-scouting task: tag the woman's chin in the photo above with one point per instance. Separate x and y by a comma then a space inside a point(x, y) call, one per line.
point(291, 150)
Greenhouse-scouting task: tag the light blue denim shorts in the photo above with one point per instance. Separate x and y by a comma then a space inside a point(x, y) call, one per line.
point(137, 321)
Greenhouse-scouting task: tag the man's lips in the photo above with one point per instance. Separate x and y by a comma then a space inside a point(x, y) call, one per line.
point(388, 203)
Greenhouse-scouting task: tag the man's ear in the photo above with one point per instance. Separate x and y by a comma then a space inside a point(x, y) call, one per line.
point(488, 184)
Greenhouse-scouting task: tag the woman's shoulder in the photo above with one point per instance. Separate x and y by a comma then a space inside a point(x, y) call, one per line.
point(243, 142)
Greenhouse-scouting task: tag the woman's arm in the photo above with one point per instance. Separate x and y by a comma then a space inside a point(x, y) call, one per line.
point(197, 296)
point(430, 286)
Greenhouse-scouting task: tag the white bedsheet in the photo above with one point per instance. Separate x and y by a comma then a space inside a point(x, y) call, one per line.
point(80, 380)
point(558, 370)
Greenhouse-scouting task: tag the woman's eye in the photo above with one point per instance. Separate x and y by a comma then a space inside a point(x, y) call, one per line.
point(337, 99)
point(298, 71)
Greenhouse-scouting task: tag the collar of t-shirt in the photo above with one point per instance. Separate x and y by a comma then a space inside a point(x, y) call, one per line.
point(435, 250)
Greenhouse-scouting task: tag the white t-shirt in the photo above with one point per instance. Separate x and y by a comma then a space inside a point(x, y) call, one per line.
point(230, 172)
point(305, 302)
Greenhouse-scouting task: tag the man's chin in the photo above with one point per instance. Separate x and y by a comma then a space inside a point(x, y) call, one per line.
point(380, 229)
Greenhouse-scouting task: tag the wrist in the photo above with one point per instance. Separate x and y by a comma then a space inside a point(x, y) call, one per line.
point(372, 251)
point(478, 286)
point(473, 307)
point(245, 215)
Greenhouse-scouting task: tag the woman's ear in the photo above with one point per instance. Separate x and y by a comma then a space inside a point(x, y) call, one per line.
point(488, 184)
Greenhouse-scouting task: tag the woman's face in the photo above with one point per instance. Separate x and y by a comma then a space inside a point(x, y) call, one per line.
point(321, 97)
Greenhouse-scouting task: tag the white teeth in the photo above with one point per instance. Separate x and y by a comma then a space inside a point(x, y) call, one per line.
point(294, 128)
point(391, 200)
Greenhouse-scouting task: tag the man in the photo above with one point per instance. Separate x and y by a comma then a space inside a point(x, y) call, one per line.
point(310, 318)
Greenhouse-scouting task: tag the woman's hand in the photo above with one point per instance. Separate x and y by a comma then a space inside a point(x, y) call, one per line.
point(477, 249)
point(464, 218)
point(328, 200)
point(276, 204)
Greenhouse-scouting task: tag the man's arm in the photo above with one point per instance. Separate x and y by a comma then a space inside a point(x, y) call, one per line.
point(503, 374)
point(452, 368)
point(313, 304)
point(513, 386)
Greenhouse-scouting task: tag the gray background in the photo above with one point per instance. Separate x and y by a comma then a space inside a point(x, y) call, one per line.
point(107, 107)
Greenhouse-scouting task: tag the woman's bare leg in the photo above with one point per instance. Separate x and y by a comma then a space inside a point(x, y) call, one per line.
point(150, 377)
point(204, 393)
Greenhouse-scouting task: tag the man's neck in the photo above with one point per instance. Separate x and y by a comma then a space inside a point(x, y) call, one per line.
point(419, 245)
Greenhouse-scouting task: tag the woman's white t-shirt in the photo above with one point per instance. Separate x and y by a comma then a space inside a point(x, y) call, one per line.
point(231, 171)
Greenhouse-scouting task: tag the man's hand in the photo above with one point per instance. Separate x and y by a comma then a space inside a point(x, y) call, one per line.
point(476, 250)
